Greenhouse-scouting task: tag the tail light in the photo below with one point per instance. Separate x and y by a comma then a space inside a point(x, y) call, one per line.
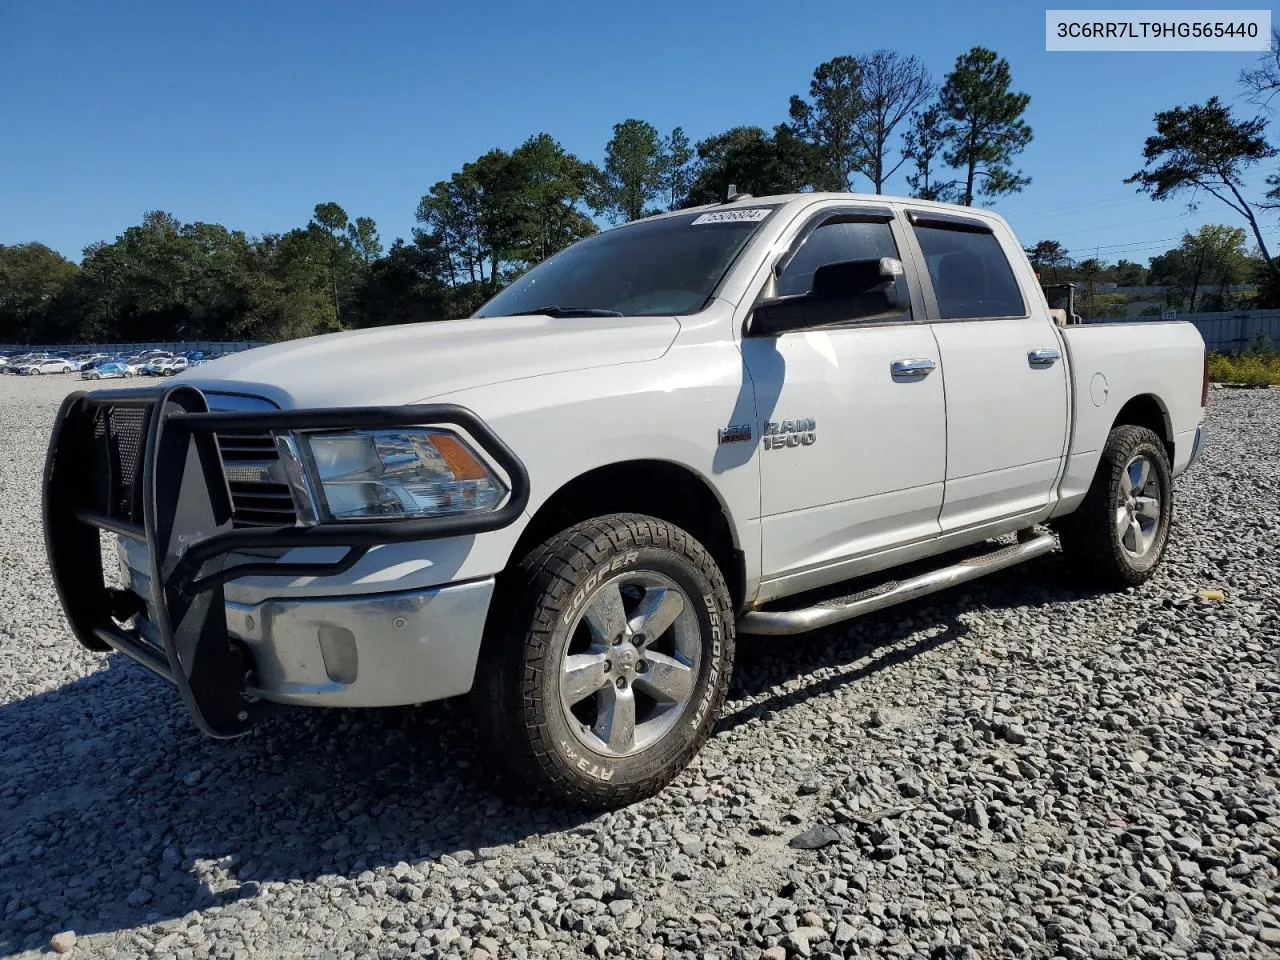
point(1204, 387)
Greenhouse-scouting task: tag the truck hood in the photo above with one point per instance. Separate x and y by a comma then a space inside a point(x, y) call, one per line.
point(416, 362)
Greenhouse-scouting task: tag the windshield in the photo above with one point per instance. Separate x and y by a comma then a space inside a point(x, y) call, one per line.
point(651, 268)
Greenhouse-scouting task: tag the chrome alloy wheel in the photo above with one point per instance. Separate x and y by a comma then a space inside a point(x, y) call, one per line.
point(631, 663)
point(1137, 510)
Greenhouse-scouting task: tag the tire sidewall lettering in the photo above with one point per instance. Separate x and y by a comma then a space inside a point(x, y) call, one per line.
point(712, 677)
point(582, 761)
point(593, 580)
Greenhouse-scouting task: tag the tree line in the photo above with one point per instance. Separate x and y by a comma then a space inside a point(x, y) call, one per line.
point(1209, 270)
point(863, 121)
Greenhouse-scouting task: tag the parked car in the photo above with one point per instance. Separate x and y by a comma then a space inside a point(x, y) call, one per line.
point(20, 360)
point(46, 365)
point(765, 416)
point(170, 366)
point(106, 370)
point(152, 363)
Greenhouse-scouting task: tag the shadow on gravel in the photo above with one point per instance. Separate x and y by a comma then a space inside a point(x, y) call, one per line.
point(766, 662)
point(115, 812)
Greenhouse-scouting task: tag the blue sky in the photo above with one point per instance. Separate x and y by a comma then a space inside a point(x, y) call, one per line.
point(249, 113)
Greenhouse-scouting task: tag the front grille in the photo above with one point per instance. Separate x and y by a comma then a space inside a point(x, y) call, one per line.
point(258, 497)
point(115, 463)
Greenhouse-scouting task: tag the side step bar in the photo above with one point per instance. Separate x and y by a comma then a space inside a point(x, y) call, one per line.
point(779, 623)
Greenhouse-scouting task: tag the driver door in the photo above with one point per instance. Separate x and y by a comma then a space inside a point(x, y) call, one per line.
point(851, 414)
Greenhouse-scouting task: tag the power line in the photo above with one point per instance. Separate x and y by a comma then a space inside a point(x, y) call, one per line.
point(1073, 212)
point(1114, 226)
point(1078, 201)
point(1137, 246)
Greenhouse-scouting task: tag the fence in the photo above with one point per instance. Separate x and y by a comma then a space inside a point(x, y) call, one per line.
point(173, 346)
point(1225, 332)
point(1234, 332)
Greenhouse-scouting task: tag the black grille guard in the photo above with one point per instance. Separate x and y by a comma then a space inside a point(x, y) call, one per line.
point(186, 509)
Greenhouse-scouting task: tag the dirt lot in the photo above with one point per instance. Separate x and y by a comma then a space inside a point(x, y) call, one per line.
point(1019, 767)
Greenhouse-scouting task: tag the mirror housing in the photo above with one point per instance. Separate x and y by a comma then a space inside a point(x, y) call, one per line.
point(841, 292)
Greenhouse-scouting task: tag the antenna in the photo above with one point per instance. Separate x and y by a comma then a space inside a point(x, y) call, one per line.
point(735, 195)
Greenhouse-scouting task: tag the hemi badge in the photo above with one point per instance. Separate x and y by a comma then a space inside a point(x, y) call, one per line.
point(737, 433)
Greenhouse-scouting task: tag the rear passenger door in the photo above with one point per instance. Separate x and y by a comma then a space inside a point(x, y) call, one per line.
point(1004, 375)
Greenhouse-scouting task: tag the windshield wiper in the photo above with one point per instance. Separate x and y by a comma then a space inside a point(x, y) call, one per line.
point(551, 310)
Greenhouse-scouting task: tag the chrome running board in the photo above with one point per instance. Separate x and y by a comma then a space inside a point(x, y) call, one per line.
point(779, 623)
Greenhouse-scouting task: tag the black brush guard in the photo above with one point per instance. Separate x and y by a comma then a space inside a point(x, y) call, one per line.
point(180, 490)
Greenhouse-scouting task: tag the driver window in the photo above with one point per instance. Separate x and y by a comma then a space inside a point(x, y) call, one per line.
point(837, 242)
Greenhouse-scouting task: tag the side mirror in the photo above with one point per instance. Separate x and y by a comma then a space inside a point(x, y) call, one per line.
point(852, 290)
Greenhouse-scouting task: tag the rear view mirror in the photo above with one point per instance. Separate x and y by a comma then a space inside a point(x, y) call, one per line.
point(841, 292)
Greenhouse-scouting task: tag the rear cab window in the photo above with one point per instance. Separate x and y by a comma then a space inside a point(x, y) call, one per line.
point(971, 275)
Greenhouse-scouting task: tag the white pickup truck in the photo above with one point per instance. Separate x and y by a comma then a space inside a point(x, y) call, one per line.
point(568, 505)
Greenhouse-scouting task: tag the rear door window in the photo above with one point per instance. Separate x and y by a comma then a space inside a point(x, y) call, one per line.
point(972, 278)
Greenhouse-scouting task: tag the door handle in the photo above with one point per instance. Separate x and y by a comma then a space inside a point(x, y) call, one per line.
point(1043, 358)
point(915, 369)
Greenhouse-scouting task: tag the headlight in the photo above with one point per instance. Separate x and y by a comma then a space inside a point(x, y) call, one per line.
point(403, 473)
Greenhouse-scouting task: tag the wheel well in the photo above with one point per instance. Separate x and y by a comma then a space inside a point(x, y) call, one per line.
point(1146, 411)
point(656, 488)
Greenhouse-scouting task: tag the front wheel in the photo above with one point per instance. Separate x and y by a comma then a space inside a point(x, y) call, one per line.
point(1118, 534)
point(613, 665)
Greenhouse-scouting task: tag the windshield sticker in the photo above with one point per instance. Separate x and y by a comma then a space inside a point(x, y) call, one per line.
point(733, 216)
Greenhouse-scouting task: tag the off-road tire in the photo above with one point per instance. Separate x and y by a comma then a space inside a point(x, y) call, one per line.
point(516, 696)
point(1091, 540)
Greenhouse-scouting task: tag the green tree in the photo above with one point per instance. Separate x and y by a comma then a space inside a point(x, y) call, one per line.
point(330, 222)
point(923, 145)
point(985, 129)
point(362, 234)
point(475, 215)
point(755, 161)
point(677, 168)
point(1212, 259)
point(1129, 274)
point(632, 177)
point(407, 285)
point(551, 184)
point(32, 278)
point(829, 120)
point(1049, 255)
point(449, 212)
point(1202, 147)
point(894, 86)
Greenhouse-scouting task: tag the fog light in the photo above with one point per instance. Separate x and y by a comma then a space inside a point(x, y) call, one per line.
point(338, 648)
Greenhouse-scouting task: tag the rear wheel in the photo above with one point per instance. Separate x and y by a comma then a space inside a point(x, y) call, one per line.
point(612, 667)
point(1118, 535)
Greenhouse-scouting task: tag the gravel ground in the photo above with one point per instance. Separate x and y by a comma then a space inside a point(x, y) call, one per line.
point(1018, 767)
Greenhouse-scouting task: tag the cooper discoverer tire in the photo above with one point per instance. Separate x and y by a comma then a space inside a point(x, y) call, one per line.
point(608, 661)
point(1118, 534)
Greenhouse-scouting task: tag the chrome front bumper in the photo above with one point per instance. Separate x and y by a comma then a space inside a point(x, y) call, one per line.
point(365, 650)
point(368, 651)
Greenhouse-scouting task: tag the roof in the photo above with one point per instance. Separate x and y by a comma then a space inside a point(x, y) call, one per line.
point(809, 197)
